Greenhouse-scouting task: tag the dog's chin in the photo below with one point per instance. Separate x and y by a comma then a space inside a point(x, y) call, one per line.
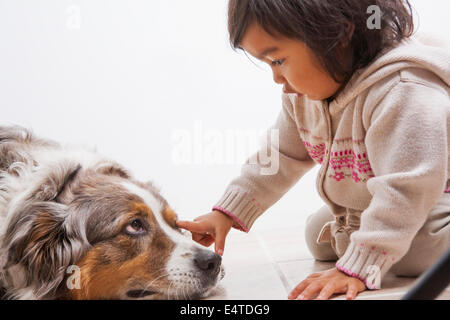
point(209, 288)
point(141, 294)
point(174, 294)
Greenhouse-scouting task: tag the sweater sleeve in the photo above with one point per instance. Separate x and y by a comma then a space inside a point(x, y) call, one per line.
point(266, 176)
point(407, 144)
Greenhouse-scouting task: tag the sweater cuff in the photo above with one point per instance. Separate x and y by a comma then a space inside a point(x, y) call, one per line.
point(241, 207)
point(366, 263)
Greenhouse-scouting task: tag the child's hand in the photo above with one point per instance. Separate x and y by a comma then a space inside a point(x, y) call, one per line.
point(209, 228)
point(326, 283)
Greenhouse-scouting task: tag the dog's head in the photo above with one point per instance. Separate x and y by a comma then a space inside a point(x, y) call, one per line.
point(96, 233)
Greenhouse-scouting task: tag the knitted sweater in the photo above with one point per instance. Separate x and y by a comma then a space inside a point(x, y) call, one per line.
point(382, 145)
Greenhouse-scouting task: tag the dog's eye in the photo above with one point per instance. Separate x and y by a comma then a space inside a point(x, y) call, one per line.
point(136, 227)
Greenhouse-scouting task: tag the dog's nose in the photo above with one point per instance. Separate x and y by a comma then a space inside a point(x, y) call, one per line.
point(208, 261)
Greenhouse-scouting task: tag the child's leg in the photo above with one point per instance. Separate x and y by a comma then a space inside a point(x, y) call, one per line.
point(314, 224)
point(430, 243)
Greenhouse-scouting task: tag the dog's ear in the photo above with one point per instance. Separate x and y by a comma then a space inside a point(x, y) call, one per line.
point(42, 239)
point(114, 169)
point(57, 179)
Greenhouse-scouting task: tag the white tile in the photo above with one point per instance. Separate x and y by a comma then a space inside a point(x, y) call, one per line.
point(297, 271)
point(247, 283)
point(249, 271)
point(285, 244)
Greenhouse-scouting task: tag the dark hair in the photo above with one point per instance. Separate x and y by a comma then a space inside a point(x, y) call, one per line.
point(324, 26)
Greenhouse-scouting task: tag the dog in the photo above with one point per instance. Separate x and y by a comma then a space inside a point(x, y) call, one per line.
point(75, 225)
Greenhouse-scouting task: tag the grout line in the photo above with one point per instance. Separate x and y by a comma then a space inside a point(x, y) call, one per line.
point(299, 259)
point(275, 229)
point(274, 264)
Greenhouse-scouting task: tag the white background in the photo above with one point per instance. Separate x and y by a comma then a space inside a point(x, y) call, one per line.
point(127, 76)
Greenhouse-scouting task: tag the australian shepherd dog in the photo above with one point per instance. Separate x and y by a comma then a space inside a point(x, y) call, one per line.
point(74, 225)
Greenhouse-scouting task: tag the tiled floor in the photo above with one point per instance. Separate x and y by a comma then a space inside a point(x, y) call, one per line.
point(267, 264)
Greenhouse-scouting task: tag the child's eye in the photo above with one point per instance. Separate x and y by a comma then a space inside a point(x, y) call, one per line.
point(277, 62)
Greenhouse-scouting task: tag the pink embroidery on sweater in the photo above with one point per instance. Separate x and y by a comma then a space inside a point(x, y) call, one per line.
point(348, 159)
point(355, 177)
point(339, 176)
point(316, 152)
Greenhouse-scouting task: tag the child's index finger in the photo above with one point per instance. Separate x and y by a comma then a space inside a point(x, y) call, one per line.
point(181, 224)
point(190, 226)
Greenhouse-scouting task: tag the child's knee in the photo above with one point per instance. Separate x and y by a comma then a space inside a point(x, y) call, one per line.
point(407, 269)
point(314, 224)
point(426, 248)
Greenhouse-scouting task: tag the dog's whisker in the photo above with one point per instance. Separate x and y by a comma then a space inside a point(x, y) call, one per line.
point(153, 281)
point(175, 292)
point(168, 290)
point(186, 294)
point(183, 292)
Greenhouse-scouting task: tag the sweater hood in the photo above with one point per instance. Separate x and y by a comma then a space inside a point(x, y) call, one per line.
point(418, 51)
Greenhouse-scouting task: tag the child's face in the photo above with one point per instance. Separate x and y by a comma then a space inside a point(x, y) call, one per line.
point(293, 64)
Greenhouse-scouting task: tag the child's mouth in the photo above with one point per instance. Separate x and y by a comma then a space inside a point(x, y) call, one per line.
point(292, 92)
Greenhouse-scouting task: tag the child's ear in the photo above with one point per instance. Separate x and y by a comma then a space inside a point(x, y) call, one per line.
point(349, 30)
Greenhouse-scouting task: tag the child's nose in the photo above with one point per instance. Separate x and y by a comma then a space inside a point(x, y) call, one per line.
point(278, 78)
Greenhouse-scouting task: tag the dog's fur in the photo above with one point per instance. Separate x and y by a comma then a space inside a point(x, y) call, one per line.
point(64, 208)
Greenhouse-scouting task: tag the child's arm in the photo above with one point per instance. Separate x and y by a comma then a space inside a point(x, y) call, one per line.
point(260, 186)
point(407, 142)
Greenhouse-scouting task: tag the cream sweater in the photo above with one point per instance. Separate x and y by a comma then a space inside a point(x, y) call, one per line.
point(382, 145)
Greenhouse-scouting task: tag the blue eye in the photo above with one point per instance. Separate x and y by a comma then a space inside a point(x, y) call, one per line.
point(276, 63)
